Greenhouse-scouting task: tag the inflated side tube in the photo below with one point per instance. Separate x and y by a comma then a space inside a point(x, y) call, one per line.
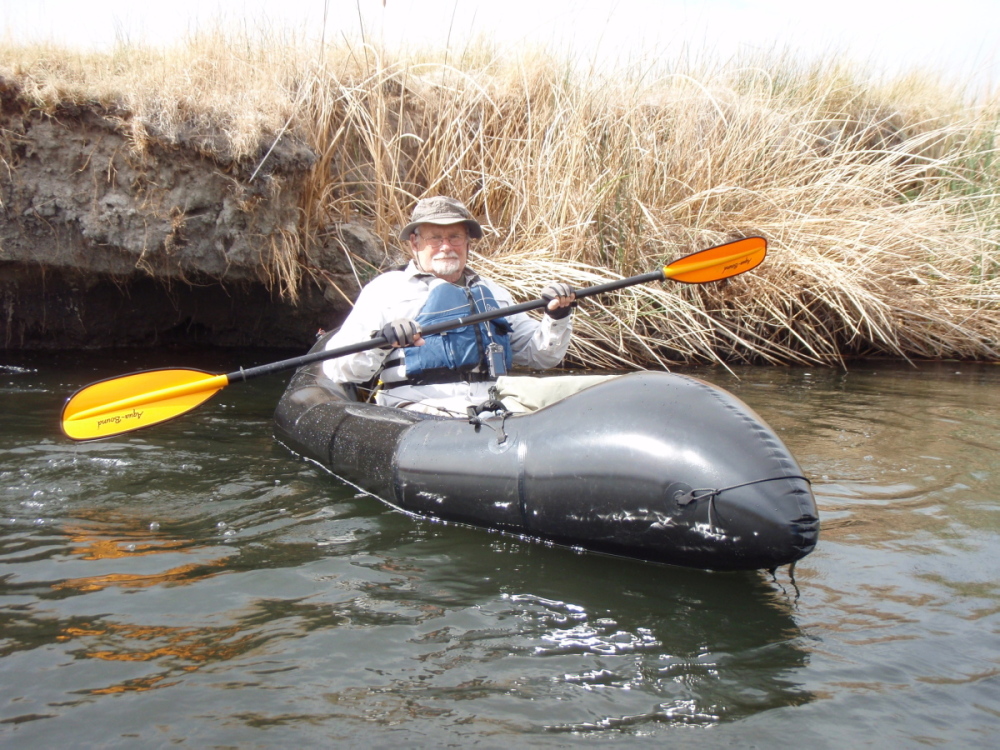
point(653, 466)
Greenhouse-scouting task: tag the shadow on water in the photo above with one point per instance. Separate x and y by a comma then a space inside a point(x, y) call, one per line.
point(614, 643)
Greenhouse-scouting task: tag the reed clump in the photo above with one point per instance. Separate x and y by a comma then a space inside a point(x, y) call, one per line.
point(879, 200)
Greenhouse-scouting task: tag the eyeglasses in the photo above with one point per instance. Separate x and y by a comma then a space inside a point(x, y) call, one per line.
point(454, 240)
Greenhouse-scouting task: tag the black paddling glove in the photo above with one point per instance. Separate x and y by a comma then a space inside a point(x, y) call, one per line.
point(557, 289)
point(400, 332)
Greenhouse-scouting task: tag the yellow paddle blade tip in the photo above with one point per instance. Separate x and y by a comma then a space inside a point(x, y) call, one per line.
point(112, 407)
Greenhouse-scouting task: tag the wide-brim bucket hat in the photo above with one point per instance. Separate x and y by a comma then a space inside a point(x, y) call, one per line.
point(444, 211)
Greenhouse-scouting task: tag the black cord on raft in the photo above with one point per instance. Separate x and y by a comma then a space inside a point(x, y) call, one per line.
point(694, 496)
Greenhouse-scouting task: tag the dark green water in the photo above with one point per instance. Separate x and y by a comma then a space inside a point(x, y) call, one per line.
point(196, 585)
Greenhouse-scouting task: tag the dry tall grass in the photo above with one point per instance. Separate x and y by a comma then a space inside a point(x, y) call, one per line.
point(879, 200)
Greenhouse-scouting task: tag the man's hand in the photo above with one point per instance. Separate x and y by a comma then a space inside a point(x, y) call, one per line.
point(402, 332)
point(561, 297)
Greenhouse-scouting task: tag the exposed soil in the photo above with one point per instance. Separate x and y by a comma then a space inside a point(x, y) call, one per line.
point(103, 244)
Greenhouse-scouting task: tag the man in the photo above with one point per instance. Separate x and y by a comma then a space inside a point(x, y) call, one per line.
point(448, 372)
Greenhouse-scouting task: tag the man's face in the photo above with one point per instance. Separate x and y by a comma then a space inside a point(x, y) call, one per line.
point(441, 250)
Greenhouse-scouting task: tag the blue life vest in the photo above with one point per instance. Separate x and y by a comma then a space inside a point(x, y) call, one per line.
point(449, 357)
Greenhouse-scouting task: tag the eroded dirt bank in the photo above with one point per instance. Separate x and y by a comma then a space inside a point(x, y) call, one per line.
point(103, 244)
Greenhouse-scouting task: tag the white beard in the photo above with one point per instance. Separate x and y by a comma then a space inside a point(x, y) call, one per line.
point(446, 266)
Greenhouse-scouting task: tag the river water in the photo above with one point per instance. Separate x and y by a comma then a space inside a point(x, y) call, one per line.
point(195, 584)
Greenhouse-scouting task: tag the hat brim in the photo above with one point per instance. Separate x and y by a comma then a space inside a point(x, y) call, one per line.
point(475, 231)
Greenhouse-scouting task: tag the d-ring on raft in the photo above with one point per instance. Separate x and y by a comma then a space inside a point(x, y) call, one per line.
point(652, 466)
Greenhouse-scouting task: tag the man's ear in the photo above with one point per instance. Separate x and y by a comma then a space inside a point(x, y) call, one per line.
point(413, 253)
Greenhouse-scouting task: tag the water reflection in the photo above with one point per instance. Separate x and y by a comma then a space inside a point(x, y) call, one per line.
point(668, 647)
point(228, 589)
point(180, 650)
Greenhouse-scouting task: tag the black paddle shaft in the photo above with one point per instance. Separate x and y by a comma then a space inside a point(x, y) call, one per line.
point(448, 325)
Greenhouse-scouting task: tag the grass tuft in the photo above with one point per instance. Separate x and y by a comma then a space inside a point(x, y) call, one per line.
point(880, 199)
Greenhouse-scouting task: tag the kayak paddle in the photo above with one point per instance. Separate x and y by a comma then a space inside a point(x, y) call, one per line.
point(128, 402)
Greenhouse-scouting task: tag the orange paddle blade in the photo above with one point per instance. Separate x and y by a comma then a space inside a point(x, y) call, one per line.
point(718, 263)
point(111, 407)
